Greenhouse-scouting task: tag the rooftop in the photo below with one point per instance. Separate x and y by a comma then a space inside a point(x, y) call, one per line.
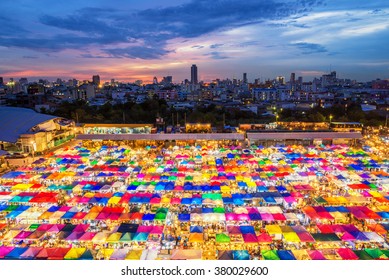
point(16, 121)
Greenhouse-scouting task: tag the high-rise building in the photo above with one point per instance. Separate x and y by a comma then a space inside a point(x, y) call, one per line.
point(155, 80)
point(167, 80)
point(245, 78)
point(193, 74)
point(96, 80)
point(1, 81)
point(23, 81)
point(292, 77)
point(280, 80)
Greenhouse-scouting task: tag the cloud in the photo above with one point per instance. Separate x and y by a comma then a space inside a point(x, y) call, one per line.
point(10, 27)
point(146, 33)
point(217, 55)
point(30, 56)
point(197, 47)
point(309, 48)
point(215, 46)
point(137, 52)
point(247, 44)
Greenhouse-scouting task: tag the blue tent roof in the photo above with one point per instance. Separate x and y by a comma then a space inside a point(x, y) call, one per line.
point(247, 229)
point(16, 252)
point(196, 229)
point(241, 255)
point(286, 255)
point(183, 217)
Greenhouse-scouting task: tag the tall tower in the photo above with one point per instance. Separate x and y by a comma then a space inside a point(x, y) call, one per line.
point(193, 74)
point(292, 78)
point(245, 78)
point(96, 80)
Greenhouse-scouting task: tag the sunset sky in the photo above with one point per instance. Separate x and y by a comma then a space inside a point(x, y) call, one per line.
point(131, 40)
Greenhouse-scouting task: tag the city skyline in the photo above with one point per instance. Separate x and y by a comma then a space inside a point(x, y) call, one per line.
point(137, 41)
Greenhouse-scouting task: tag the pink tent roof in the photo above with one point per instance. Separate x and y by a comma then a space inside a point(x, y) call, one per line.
point(102, 216)
point(250, 238)
point(44, 227)
point(264, 238)
point(157, 230)
point(56, 228)
point(279, 217)
point(175, 200)
point(22, 235)
point(4, 250)
point(267, 217)
point(347, 237)
point(87, 236)
point(81, 228)
point(31, 252)
point(305, 237)
point(231, 217)
point(316, 255)
point(233, 230)
point(143, 228)
point(243, 217)
point(347, 254)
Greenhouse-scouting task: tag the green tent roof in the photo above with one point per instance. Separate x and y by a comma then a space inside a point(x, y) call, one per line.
point(270, 255)
point(222, 238)
point(362, 255)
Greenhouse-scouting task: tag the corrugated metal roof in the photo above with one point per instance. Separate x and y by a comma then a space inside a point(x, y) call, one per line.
point(163, 136)
point(15, 121)
point(303, 135)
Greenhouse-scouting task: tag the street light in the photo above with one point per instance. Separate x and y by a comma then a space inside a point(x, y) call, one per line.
point(331, 118)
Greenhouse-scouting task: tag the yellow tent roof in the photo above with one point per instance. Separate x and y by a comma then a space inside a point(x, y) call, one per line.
point(134, 255)
point(45, 215)
point(91, 216)
point(301, 254)
point(291, 237)
point(74, 253)
point(273, 229)
point(114, 200)
point(107, 252)
point(21, 187)
point(375, 194)
point(114, 237)
point(338, 216)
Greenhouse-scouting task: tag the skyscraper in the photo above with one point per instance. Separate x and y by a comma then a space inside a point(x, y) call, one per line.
point(292, 78)
point(193, 74)
point(245, 78)
point(96, 80)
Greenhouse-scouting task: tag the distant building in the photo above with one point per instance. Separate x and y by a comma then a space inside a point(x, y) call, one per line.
point(193, 74)
point(245, 78)
point(86, 91)
point(167, 80)
point(155, 80)
point(292, 78)
point(96, 80)
point(380, 84)
point(1, 81)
